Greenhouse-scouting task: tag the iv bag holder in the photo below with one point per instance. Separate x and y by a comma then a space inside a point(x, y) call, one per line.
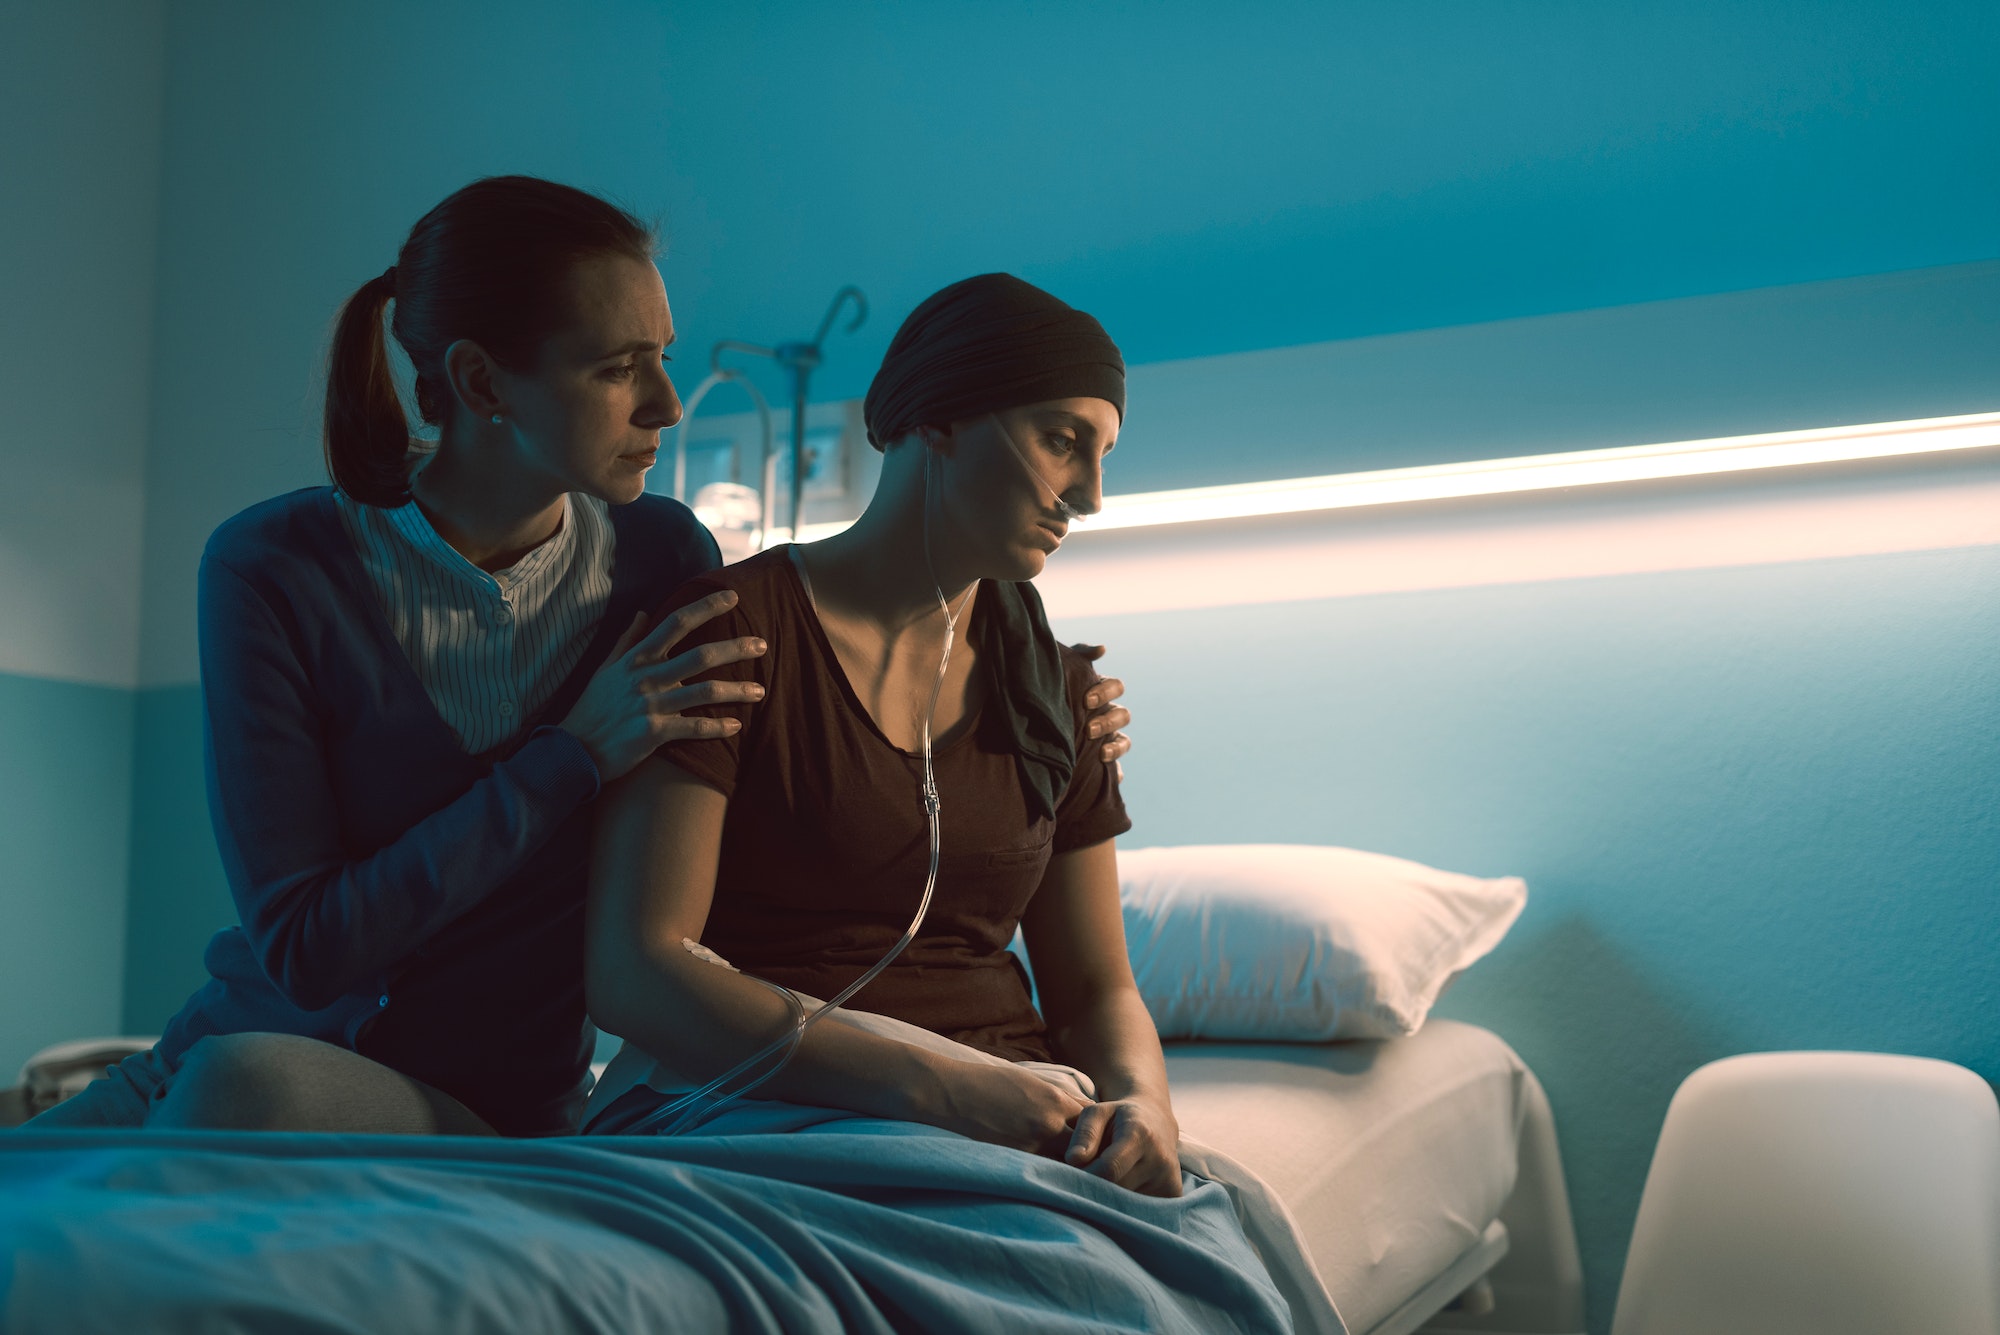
point(799, 360)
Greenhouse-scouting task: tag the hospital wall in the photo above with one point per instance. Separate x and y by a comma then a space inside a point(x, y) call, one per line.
point(1752, 791)
point(1755, 808)
point(80, 91)
point(1312, 173)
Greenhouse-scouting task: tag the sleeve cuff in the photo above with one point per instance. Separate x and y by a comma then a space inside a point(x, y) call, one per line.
point(560, 765)
point(1093, 829)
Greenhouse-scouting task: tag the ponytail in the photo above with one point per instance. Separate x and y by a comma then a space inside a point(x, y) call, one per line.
point(367, 437)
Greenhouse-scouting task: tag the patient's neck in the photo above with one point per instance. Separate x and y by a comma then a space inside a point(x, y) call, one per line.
point(879, 570)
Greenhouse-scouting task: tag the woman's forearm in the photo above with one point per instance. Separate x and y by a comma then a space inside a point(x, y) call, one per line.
point(657, 852)
point(658, 842)
point(1110, 1037)
point(700, 1019)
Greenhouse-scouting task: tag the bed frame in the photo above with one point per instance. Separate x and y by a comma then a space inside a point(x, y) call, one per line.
point(1524, 1277)
point(1520, 1276)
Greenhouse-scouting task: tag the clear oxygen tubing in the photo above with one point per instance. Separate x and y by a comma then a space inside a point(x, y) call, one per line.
point(1069, 512)
point(698, 1105)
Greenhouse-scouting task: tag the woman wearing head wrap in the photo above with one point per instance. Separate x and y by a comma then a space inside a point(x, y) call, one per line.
point(797, 848)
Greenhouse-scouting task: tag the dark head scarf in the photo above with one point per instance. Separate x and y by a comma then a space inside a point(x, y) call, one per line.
point(977, 347)
point(984, 344)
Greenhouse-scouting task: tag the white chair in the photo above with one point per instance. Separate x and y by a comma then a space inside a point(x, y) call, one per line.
point(1820, 1193)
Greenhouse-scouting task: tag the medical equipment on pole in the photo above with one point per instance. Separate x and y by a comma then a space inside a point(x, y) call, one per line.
point(800, 360)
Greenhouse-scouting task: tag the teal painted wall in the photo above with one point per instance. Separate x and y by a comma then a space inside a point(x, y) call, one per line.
point(80, 96)
point(1756, 808)
point(178, 895)
point(1300, 172)
point(1883, 348)
point(65, 799)
point(1289, 173)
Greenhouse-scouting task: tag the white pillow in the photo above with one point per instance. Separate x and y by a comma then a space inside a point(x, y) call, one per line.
point(1297, 943)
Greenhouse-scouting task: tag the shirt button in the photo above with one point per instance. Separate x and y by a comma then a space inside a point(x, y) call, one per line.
point(382, 1000)
point(506, 709)
point(502, 615)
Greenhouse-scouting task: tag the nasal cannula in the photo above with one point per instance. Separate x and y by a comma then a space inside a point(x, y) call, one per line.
point(698, 1105)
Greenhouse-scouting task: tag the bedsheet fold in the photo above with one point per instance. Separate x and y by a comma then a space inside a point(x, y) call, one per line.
point(832, 1224)
point(1267, 1224)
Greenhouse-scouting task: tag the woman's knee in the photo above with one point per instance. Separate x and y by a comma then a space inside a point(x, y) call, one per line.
point(283, 1082)
point(236, 1082)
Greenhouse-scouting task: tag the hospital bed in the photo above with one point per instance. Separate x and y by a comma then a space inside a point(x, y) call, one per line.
point(1421, 1172)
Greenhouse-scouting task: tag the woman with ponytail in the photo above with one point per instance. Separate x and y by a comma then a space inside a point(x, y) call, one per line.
point(416, 681)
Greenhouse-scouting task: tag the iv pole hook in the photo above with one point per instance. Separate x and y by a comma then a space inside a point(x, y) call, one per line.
point(860, 313)
point(801, 360)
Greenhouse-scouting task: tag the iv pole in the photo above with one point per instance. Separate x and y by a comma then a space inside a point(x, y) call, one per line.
point(801, 360)
point(688, 410)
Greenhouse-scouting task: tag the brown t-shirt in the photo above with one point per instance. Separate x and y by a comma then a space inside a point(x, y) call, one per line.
point(826, 844)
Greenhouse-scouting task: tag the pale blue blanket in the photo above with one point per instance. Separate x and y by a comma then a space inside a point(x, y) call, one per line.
point(832, 1224)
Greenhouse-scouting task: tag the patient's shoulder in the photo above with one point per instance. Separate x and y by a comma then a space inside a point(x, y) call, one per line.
point(764, 588)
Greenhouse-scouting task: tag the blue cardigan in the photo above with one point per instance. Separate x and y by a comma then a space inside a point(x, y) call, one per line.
point(398, 897)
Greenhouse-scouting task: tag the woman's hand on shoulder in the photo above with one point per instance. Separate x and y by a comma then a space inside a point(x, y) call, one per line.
point(636, 701)
point(1133, 1142)
point(1107, 718)
point(1003, 1105)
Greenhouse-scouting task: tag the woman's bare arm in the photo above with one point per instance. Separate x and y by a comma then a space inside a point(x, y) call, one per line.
point(1098, 1023)
point(658, 842)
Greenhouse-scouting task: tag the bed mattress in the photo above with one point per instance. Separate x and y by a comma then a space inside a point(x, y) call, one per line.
point(1395, 1157)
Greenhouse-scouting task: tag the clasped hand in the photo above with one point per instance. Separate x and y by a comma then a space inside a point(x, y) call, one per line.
point(1132, 1142)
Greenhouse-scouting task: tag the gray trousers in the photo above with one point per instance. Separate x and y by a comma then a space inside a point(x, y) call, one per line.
point(262, 1082)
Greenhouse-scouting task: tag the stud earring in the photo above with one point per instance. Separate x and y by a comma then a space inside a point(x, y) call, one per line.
point(496, 419)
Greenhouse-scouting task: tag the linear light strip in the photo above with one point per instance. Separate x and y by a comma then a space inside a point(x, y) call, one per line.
point(1537, 472)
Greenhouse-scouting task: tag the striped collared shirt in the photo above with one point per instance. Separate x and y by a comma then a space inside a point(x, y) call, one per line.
point(490, 649)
